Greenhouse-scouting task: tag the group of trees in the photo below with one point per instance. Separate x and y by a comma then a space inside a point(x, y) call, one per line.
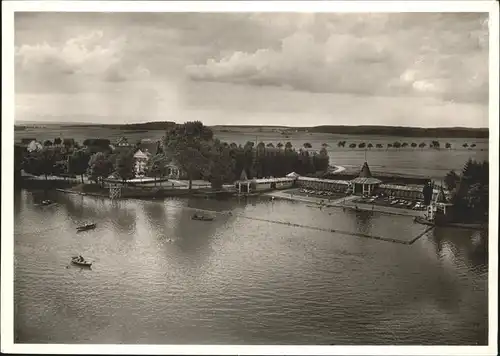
point(470, 190)
point(43, 163)
point(397, 144)
point(194, 149)
point(191, 147)
point(59, 161)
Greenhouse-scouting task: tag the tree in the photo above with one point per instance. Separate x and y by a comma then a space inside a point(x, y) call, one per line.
point(447, 145)
point(68, 142)
point(221, 166)
point(57, 141)
point(189, 145)
point(471, 195)
point(389, 145)
point(422, 145)
point(288, 145)
point(249, 144)
point(451, 180)
point(396, 144)
point(352, 145)
point(341, 144)
point(47, 143)
point(261, 148)
point(270, 145)
point(40, 162)
point(405, 144)
point(370, 145)
point(473, 145)
point(465, 145)
point(307, 145)
point(78, 163)
point(125, 165)
point(99, 166)
point(379, 145)
point(362, 145)
point(157, 166)
point(279, 145)
point(101, 142)
point(321, 161)
point(435, 144)
point(59, 168)
point(413, 145)
point(427, 192)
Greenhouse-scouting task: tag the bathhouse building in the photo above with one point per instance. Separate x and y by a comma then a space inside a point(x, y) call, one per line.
point(340, 186)
point(263, 184)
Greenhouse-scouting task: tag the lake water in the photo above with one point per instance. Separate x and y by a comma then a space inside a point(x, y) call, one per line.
point(160, 277)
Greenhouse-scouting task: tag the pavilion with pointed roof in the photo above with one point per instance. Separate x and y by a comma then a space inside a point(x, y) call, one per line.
point(365, 183)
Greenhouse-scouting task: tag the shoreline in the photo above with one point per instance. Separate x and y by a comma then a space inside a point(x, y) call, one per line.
point(344, 202)
point(338, 203)
point(347, 203)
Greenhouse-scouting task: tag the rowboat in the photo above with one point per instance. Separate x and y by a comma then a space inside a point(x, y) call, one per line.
point(80, 261)
point(201, 218)
point(86, 227)
point(47, 202)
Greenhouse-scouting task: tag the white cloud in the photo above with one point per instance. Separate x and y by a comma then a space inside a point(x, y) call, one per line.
point(237, 65)
point(444, 56)
point(88, 56)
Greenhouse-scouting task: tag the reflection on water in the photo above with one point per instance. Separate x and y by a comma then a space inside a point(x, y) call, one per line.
point(462, 246)
point(362, 221)
point(161, 277)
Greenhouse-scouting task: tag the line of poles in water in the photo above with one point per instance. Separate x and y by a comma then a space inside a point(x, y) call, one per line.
point(343, 232)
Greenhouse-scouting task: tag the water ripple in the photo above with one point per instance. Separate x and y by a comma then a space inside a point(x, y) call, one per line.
point(159, 277)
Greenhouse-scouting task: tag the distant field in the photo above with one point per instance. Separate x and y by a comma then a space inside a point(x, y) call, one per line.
point(423, 162)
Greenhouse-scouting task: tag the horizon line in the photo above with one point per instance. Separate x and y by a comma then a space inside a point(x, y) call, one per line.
point(17, 122)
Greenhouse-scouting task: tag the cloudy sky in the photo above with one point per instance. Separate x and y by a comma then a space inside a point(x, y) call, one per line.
point(408, 69)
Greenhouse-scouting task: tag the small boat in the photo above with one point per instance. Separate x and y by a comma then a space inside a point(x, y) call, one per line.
point(86, 227)
point(47, 202)
point(201, 218)
point(80, 261)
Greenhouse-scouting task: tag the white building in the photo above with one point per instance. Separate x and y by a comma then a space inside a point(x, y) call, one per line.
point(263, 184)
point(141, 161)
point(34, 146)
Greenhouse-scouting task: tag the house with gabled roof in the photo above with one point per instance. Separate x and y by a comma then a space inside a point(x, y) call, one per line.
point(122, 142)
point(150, 146)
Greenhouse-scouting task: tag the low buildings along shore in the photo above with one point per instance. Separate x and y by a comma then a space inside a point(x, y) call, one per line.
point(362, 185)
